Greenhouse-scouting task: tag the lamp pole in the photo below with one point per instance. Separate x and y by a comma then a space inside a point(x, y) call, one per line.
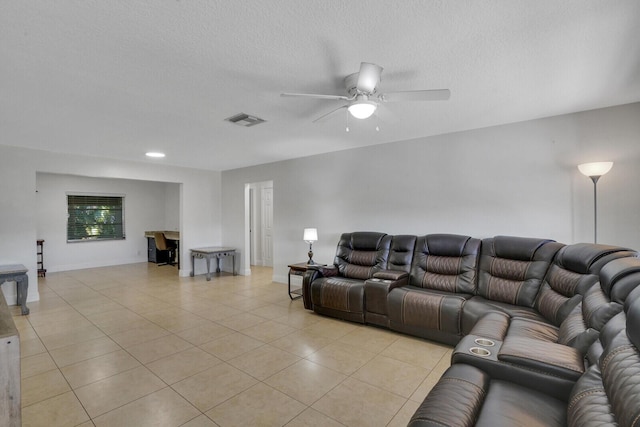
point(595, 179)
point(594, 171)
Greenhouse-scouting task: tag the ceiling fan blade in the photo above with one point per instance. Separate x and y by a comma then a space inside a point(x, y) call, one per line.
point(416, 95)
point(368, 77)
point(325, 116)
point(314, 95)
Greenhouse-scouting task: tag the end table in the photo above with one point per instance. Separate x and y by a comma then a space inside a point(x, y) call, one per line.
point(298, 270)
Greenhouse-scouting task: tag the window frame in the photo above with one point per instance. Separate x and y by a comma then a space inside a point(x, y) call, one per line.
point(96, 238)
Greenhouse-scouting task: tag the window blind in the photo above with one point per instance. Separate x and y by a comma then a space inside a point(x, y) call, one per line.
point(95, 218)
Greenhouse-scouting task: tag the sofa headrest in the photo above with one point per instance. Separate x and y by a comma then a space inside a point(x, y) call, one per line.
point(366, 240)
point(584, 258)
point(518, 248)
point(449, 245)
point(403, 243)
point(633, 317)
point(623, 274)
point(401, 252)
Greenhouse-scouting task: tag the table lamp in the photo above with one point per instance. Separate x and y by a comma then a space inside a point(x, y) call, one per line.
point(310, 235)
point(595, 171)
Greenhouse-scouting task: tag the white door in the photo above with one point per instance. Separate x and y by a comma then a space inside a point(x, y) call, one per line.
point(267, 226)
point(252, 253)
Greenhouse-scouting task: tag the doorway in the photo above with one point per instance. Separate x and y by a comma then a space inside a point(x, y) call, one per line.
point(260, 224)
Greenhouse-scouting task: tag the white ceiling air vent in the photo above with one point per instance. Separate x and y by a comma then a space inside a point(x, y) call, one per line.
point(242, 119)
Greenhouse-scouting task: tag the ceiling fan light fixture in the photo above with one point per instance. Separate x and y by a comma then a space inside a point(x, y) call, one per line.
point(362, 109)
point(154, 154)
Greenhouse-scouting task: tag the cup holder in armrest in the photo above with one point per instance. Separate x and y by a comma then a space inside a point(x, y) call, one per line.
point(479, 351)
point(485, 342)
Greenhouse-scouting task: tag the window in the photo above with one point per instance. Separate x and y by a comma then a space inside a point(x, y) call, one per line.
point(95, 217)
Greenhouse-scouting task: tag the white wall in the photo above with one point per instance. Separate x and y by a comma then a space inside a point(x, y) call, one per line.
point(199, 208)
point(518, 179)
point(172, 207)
point(17, 217)
point(144, 209)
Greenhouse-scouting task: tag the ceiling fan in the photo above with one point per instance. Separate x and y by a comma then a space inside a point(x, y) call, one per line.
point(363, 97)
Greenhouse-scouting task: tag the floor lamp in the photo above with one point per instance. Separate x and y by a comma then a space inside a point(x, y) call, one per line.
point(595, 171)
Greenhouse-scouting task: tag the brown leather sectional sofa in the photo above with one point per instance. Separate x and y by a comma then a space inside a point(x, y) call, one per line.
point(533, 321)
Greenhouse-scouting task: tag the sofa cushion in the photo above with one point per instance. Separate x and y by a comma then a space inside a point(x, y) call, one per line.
point(608, 393)
point(401, 252)
point(533, 329)
point(455, 400)
point(559, 292)
point(477, 307)
point(339, 294)
point(493, 324)
point(574, 331)
point(543, 356)
point(589, 258)
point(360, 254)
point(509, 404)
point(574, 270)
point(511, 269)
point(589, 404)
point(426, 313)
point(617, 280)
point(467, 396)
point(445, 262)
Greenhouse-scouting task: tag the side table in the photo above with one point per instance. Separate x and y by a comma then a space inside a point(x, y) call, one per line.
point(17, 273)
point(297, 270)
point(209, 252)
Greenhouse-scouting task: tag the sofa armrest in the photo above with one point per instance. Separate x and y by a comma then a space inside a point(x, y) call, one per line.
point(455, 400)
point(392, 275)
point(538, 375)
point(315, 272)
point(378, 287)
point(544, 356)
point(492, 325)
point(325, 270)
point(309, 276)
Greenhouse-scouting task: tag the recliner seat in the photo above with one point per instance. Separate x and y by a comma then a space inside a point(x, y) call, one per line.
point(443, 277)
point(550, 358)
point(606, 394)
point(339, 291)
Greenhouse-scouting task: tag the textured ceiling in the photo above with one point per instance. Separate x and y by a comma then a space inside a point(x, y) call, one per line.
point(119, 78)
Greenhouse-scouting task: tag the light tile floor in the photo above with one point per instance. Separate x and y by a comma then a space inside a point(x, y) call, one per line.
point(136, 345)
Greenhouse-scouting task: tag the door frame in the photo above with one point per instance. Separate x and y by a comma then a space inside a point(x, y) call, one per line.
point(252, 213)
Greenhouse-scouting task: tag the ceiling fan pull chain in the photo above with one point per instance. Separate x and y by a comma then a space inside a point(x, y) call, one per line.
point(347, 129)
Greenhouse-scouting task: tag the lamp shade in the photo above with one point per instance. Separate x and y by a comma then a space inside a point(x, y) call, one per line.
point(362, 109)
point(310, 235)
point(595, 169)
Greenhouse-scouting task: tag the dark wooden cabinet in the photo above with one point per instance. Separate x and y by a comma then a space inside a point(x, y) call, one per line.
point(42, 272)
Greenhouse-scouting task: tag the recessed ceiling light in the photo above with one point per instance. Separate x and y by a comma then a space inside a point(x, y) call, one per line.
point(154, 154)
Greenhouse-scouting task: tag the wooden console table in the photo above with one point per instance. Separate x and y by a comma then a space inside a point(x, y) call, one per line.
point(210, 252)
point(17, 273)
